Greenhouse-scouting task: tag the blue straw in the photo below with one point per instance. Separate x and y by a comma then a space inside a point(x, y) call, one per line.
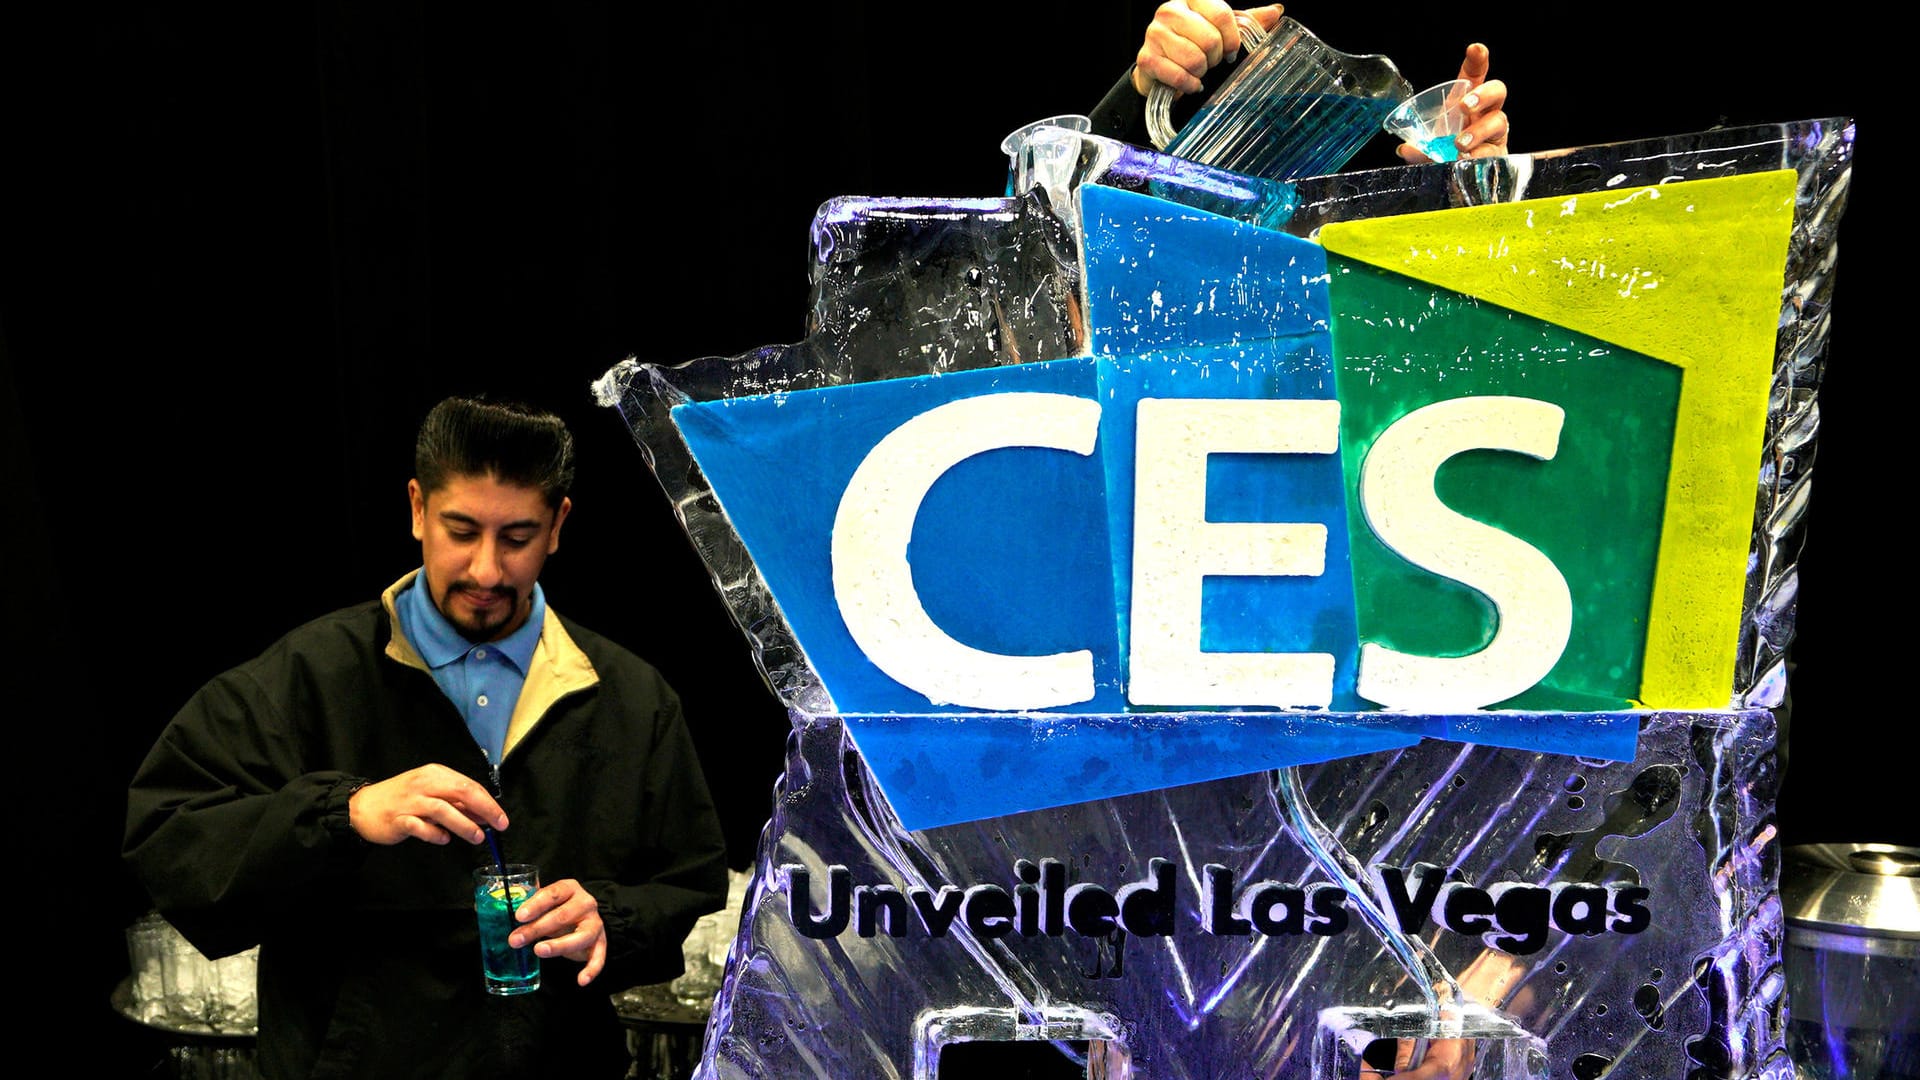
point(498, 859)
point(500, 862)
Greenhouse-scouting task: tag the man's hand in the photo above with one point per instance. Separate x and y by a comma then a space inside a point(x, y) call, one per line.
point(431, 803)
point(563, 919)
point(1189, 38)
point(1485, 132)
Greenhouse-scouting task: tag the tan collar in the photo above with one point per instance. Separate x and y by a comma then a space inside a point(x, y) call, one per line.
point(559, 666)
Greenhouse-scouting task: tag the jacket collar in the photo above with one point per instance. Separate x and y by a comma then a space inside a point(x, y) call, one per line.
point(559, 666)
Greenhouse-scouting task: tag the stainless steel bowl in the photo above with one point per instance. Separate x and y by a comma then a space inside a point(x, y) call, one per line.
point(1853, 959)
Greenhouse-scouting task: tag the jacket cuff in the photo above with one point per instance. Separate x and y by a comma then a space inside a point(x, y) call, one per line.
point(333, 807)
point(637, 953)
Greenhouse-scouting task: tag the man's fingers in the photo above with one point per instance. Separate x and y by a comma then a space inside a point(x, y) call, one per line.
point(421, 801)
point(574, 943)
point(481, 815)
point(431, 820)
point(456, 823)
point(421, 830)
point(596, 962)
point(440, 782)
point(537, 906)
point(562, 919)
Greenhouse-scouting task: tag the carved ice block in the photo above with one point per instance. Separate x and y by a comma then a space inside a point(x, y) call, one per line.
point(1232, 627)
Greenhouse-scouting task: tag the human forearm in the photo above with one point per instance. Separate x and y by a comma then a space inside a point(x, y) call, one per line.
point(646, 925)
point(647, 921)
point(222, 828)
point(220, 869)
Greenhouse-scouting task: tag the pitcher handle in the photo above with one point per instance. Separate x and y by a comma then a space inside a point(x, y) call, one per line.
point(1160, 96)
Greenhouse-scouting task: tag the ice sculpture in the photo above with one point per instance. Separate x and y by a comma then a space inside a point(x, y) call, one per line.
point(1228, 623)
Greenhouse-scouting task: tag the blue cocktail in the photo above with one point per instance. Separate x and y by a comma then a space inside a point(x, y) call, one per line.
point(495, 900)
point(1432, 119)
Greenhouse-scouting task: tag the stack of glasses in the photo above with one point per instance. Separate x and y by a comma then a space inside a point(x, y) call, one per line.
point(175, 987)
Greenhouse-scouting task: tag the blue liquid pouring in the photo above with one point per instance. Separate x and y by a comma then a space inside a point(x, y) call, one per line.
point(1282, 136)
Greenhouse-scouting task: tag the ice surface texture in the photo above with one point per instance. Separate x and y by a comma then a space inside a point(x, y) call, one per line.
point(1690, 819)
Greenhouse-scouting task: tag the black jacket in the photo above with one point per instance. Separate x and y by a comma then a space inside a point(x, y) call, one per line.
point(369, 960)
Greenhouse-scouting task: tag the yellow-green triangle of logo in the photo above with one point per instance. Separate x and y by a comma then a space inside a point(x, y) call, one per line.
point(1681, 271)
point(1689, 273)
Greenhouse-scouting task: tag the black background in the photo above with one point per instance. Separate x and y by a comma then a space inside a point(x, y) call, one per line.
point(246, 247)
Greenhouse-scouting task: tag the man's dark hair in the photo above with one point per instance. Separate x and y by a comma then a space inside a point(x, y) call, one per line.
point(513, 443)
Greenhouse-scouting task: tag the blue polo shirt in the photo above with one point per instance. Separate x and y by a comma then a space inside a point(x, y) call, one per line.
point(482, 680)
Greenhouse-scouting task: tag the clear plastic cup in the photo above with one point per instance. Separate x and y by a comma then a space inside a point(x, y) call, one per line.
point(508, 970)
point(1432, 118)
